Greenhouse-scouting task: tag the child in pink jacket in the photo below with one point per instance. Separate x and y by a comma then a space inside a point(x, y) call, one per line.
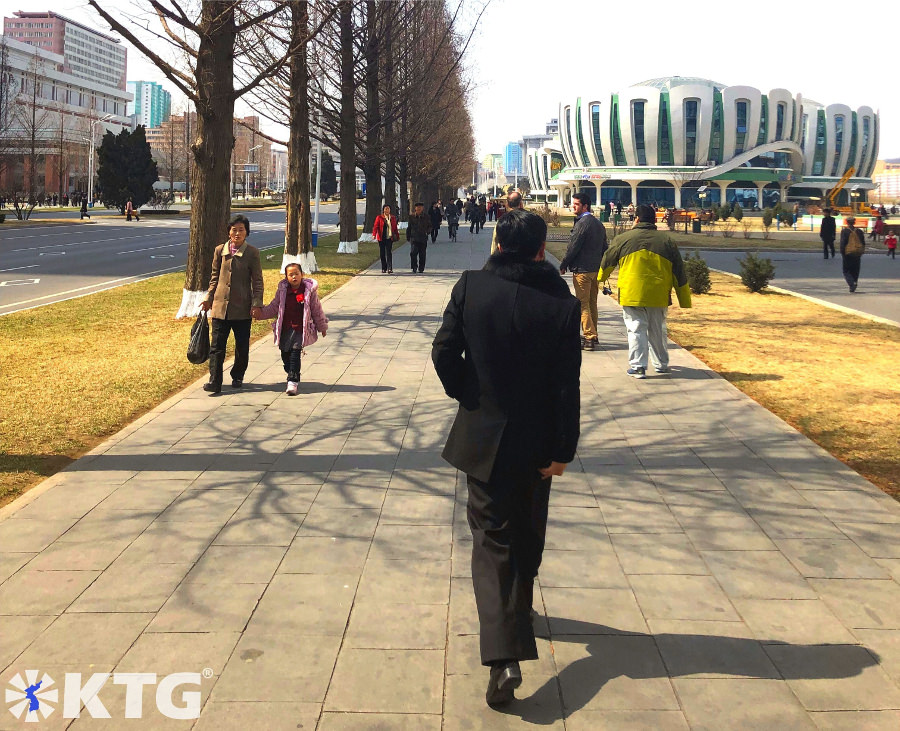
point(299, 318)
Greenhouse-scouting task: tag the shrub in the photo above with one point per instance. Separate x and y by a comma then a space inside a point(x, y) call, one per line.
point(724, 212)
point(737, 212)
point(746, 226)
point(697, 272)
point(787, 218)
point(756, 273)
point(728, 229)
point(768, 217)
point(2, 217)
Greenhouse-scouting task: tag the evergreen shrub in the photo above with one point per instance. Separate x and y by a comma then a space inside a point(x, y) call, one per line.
point(756, 273)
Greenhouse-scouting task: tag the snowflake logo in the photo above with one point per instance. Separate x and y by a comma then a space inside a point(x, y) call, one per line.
point(32, 697)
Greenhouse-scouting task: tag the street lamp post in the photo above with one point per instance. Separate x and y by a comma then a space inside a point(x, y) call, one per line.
point(246, 174)
point(104, 118)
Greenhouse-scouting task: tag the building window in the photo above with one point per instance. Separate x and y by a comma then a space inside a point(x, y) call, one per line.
point(838, 142)
point(571, 149)
point(779, 121)
point(803, 132)
point(865, 146)
point(618, 149)
point(546, 170)
point(690, 131)
point(741, 108)
point(637, 125)
point(763, 120)
point(717, 132)
point(665, 137)
point(595, 129)
point(586, 161)
point(819, 156)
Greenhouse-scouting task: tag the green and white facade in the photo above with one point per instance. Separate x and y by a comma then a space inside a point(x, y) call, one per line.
point(687, 141)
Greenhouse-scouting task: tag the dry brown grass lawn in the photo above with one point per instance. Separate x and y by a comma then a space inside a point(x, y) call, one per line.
point(831, 375)
point(78, 371)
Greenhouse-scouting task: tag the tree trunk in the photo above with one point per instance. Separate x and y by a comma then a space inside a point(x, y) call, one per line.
point(372, 162)
point(348, 232)
point(404, 188)
point(390, 159)
point(212, 148)
point(297, 236)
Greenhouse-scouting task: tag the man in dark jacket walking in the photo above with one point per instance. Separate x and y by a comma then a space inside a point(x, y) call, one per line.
point(508, 352)
point(827, 233)
point(587, 242)
point(853, 246)
point(417, 231)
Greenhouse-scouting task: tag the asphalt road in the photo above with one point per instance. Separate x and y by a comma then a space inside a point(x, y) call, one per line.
point(40, 265)
point(810, 274)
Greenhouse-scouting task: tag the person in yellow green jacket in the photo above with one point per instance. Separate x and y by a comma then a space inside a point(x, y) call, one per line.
point(650, 266)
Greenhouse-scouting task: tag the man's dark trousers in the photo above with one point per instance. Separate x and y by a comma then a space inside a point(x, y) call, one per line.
point(219, 338)
point(417, 255)
point(826, 245)
point(508, 519)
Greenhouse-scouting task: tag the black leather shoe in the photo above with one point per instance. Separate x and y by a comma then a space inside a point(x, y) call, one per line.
point(505, 678)
point(212, 387)
point(237, 383)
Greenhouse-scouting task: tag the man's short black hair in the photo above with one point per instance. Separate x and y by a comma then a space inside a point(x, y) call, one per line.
point(240, 219)
point(419, 204)
point(514, 199)
point(645, 213)
point(521, 232)
point(584, 199)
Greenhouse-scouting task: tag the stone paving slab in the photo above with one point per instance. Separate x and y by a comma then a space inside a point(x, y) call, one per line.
point(707, 566)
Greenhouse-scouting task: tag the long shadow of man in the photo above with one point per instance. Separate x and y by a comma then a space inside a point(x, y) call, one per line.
point(614, 653)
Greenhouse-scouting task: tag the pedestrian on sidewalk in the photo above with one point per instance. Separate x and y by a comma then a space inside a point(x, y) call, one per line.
point(891, 242)
point(385, 233)
point(299, 318)
point(587, 244)
point(508, 352)
point(853, 246)
point(417, 231)
point(235, 295)
point(84, 209)
point(827, 232)
point(435, 217)
point(650, 266)
point(481, 215)
point(514, 201)
point(451, 213)
point(877, 229)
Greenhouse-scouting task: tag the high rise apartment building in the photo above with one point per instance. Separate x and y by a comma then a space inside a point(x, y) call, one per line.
point(152, 104)
point(88, 55)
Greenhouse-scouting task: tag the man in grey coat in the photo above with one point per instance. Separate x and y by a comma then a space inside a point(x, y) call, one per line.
point(587, 243)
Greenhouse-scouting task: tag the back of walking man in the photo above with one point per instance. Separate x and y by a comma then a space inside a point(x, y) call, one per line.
point(513, 200)
point(508, 352)
point(417, 230)
point(650, 266)
point(587, 243)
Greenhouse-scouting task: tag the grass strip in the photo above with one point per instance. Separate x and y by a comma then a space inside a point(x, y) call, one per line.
point(829, 374)
point(76, 372)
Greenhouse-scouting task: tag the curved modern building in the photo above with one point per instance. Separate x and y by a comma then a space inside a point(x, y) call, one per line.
point(687, 141)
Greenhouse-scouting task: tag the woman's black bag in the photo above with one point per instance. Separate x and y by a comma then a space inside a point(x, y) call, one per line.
point(198, 350)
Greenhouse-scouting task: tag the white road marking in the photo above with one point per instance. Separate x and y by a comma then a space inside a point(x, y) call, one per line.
point(162, 256)
point(52, 253)
point(105, 285)
point(152, 248)
point(81, 243)
point(13, 269)
point(18, 282)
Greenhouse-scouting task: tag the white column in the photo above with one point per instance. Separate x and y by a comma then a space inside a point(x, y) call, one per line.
point(759, 194)
point(678, 196)
point(634, 187)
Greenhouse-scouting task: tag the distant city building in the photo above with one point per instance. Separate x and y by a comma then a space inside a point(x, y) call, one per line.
point(170, 145)
point(552, 127)
point(87, 54)
point(152, 104)
point(278, 169)
point(251, 158)
point(68, 108)
point(886, 178)
point(512, 159)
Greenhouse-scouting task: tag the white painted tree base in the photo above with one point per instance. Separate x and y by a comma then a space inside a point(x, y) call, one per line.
point(402, 225)
point(308, 262)
point(190, 304)
point(348, 247)
point(367, 239)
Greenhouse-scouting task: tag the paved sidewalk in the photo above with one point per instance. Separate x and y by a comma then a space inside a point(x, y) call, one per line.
point(706, 565)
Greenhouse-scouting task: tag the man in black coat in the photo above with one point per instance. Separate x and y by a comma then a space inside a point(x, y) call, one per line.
point(827, 233)
point(853, 246)
point(417, 230)
point(508, 350)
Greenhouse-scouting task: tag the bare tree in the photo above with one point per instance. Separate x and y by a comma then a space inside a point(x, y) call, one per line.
point(206, 38)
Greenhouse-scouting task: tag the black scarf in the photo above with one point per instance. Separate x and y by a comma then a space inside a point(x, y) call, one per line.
point(539, 275)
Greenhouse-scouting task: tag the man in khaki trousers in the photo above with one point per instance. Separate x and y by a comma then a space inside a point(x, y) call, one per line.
point(587, 243)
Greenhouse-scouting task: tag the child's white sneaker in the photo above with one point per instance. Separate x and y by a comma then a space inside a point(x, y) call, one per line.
point(292, 387)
